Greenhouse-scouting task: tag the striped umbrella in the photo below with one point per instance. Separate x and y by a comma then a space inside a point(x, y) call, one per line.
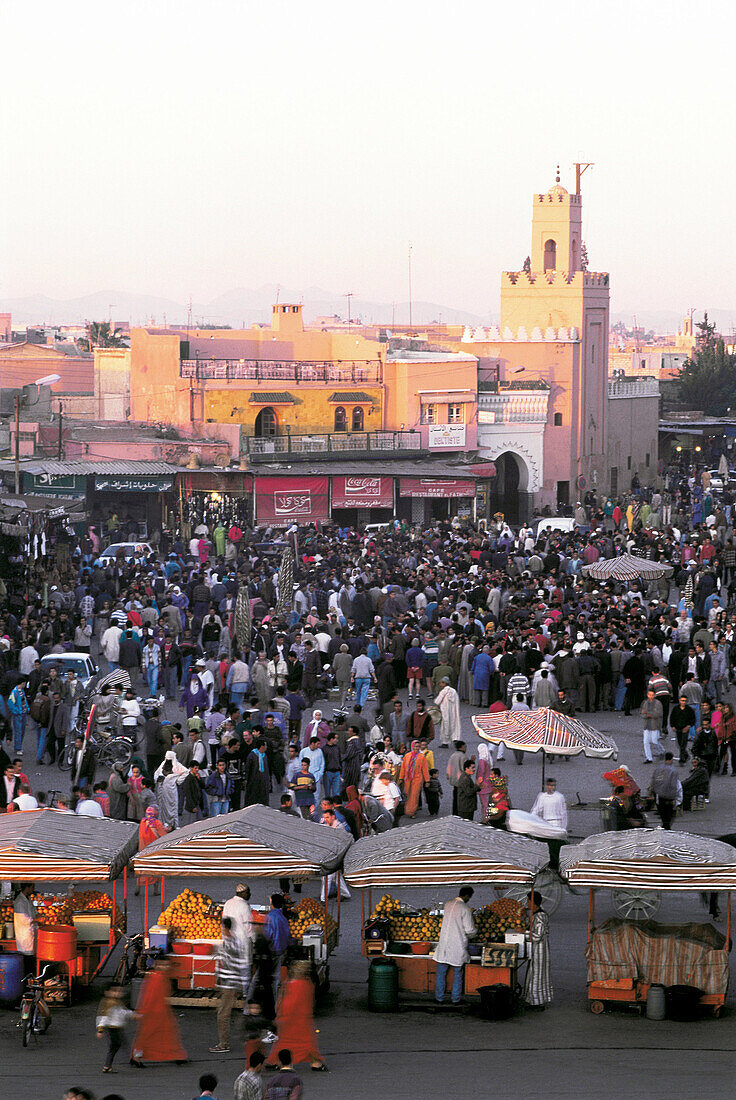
point(650, 859)
point(546, 731)
point(626, 567)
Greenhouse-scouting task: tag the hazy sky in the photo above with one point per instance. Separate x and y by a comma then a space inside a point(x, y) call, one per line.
point(181, 148)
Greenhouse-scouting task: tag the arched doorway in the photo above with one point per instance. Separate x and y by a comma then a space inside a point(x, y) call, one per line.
point(550, 255)
point(510, 492)
point(266, 422)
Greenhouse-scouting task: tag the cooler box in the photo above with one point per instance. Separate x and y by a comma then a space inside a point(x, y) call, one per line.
point(92, 927)
point(159, 937)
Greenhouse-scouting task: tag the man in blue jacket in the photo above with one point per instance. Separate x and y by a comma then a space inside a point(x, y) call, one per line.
point(276, 931)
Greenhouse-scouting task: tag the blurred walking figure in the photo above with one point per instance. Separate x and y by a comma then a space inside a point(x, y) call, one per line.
point(230, 981)
point(157, 1038)
point(295, 1019)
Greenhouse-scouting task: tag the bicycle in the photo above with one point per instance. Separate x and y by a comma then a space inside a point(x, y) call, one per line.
point(35, 1016)
point(129, 968)
point(108, 751)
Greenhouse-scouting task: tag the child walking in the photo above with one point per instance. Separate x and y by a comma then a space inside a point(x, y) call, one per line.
point(112, 1016)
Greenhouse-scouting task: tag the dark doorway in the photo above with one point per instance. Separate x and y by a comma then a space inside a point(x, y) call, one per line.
point(508, 491)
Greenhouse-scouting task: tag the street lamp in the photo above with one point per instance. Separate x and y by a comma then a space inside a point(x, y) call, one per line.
point(22, 399)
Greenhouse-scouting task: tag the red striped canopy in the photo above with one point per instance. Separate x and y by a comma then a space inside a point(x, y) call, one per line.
point(544, 730)
point(626, 567)
point(50, 845)
point(650, 859)
point(257, 842)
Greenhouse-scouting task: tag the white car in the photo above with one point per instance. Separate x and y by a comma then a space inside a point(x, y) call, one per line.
point(134, 551)
point(82, 664)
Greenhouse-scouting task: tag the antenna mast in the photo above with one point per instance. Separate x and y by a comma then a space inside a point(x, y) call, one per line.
point(580, 168)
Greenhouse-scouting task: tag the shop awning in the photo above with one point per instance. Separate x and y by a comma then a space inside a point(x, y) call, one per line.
point(49, 845)
point(282, 397)
point(256, 842)
point(650, 859)
point(352, 397)
point(445, 852)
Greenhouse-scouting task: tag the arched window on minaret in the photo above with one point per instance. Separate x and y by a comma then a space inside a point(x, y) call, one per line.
point(575, 255)
point(550, 255)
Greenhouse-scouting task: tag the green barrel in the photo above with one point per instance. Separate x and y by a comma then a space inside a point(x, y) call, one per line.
point(383, 986)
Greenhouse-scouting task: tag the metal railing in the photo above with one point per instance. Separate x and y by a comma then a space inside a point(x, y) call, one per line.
point(257, 370)
point(338, 443)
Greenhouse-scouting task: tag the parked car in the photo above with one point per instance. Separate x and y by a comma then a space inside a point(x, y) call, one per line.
point(134, 551)
point(82, 664)
point(716, 481)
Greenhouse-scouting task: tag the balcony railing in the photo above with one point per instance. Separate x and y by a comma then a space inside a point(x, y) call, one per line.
point(257, 370)
point(513, 406)
point(331, 443)
point(634, 387)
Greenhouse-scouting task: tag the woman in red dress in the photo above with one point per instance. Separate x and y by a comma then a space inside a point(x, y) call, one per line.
point(295, 1019)
point(157, 1038)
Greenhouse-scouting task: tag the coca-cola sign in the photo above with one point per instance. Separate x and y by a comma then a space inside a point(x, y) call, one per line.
point(362, 492)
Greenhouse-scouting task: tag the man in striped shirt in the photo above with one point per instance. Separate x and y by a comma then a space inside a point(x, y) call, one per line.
point(230, 973)
point(518, 684)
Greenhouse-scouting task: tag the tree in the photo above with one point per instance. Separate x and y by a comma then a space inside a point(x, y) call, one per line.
point(101, 334)
point(706, 337)
point(708, 380)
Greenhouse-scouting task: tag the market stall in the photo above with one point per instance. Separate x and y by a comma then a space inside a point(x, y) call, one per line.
point(627, 958)
point(256, 842)
point(444, 853)
point(79, 928)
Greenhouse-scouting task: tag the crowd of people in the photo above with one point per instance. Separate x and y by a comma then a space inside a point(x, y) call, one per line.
point(343, 704)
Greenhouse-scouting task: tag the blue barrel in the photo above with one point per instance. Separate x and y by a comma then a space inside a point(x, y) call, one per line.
point(11, 977)
point(383, 986)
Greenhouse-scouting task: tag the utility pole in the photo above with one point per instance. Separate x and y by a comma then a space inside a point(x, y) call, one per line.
point(60, 447)
point(410, 320)
point(17, 444)
point(348, 296)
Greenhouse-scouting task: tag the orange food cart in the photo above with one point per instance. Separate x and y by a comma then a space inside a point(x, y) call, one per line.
point(445, 853)
point(255, 843)
point(78, 929)
point(625, 958)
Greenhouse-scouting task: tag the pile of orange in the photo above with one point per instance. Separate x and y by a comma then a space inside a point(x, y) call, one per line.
point(192, 915)
point(306, 913)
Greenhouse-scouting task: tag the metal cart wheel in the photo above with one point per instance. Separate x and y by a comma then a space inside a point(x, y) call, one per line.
point(549, 886)
point(637, 904)
point(597, 1007)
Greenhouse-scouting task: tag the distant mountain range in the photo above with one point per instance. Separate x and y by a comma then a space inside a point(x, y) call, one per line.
point(235, 307)
point(242, 306)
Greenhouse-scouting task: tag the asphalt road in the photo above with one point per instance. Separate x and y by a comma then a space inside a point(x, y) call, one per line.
point(565, 1051)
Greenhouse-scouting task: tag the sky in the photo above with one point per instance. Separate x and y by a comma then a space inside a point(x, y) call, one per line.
point(183, 149)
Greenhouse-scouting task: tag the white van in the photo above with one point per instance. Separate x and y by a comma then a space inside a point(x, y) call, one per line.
point(555, 523)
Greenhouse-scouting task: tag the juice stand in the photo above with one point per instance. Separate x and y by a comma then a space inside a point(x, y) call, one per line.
point(626, 958)
point(444, 853)
point(76, 929)
point(254, 843)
